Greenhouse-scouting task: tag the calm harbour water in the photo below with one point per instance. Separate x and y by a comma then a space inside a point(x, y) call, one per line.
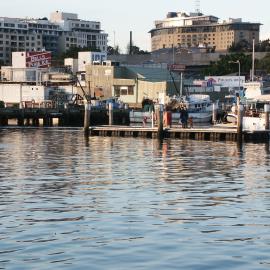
point(124, 203)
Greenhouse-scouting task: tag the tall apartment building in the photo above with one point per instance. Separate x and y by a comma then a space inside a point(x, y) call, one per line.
point(79, 33)
point(196, 30)
point(57, 34)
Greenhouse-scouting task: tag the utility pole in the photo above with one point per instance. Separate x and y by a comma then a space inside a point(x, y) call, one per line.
point(239, 73)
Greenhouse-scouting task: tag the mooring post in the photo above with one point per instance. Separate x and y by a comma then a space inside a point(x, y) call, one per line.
point(160, 133)
point(87, 112)
point(110, 114)
point(266, 111)
point(214, 114)
point(240, 112)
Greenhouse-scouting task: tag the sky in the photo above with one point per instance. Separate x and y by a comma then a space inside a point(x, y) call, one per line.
point(119, 17)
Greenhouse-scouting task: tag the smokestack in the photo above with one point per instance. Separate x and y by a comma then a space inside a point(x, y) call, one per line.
point(130, 43)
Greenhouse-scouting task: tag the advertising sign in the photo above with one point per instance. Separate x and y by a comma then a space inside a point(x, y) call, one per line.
point(225, 81)
point(38, 59)
point(98, 57)
point(176, 67)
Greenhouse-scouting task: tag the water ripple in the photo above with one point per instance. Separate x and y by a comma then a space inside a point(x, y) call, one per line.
point(124, 203)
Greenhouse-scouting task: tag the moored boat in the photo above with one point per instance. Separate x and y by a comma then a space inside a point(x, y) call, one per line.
point(199, 108)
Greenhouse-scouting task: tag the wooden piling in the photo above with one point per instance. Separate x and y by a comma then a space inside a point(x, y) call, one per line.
point(214, 114)
point(240, 111)
point(266, 112)
point(87, 112)
point(110, 114)
point(160, 132)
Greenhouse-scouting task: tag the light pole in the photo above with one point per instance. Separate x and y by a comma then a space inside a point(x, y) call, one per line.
point(239, 72)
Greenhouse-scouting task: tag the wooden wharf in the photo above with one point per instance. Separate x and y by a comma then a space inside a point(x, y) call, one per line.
point(71, 116)
point(119, 125)
point(30, 116)
point(202, 133)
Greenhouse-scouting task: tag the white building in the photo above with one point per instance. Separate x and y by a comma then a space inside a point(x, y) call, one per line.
point(57, 34)
point(16, 93)
point(30, 80)
point(72, 64)
point(27, 67)
point(79, 33)
point(90, 58)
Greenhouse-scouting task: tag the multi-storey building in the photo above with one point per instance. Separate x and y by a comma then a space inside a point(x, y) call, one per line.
point(58, 34)
point(196, 30)
point(79, 33)
point(16, 35)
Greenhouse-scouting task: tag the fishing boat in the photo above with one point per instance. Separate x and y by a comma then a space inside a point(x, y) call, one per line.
point(256, 94)
point(199, 108)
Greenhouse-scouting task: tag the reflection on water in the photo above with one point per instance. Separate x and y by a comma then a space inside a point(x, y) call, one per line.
point(124, 203)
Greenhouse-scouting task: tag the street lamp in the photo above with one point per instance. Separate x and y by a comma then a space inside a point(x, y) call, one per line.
point(239, 72)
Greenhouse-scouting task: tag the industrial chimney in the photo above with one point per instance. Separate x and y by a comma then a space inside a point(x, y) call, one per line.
point(130, 43)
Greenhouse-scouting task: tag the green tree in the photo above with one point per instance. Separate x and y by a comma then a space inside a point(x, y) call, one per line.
point(135, 50)
point(113, 50)
point(226, 66)
point(263, 46)
point(264, 64)
point(241, 46)
point(73, 51)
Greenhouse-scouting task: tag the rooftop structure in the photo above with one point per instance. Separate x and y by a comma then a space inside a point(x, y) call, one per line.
point(180, 29)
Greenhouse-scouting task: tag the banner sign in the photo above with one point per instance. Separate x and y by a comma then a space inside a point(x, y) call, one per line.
point(38, 59)
point(225, 81)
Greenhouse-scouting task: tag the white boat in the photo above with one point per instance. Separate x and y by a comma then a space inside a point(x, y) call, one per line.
point(199, 107)
point(231, 118)
point(256, 94)
point(197, 117)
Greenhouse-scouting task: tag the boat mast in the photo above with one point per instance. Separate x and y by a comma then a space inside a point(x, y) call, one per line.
point(253, 60)
point(181, 84)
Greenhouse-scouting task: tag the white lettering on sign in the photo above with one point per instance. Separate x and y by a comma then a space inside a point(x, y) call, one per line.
point(38, 59)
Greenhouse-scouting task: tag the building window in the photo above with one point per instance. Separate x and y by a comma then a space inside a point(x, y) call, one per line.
point(117, 91)
point(123, 92)
point(131, 90)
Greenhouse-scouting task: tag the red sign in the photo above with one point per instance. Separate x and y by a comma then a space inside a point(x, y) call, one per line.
point(176, 67)
point(38, 59)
